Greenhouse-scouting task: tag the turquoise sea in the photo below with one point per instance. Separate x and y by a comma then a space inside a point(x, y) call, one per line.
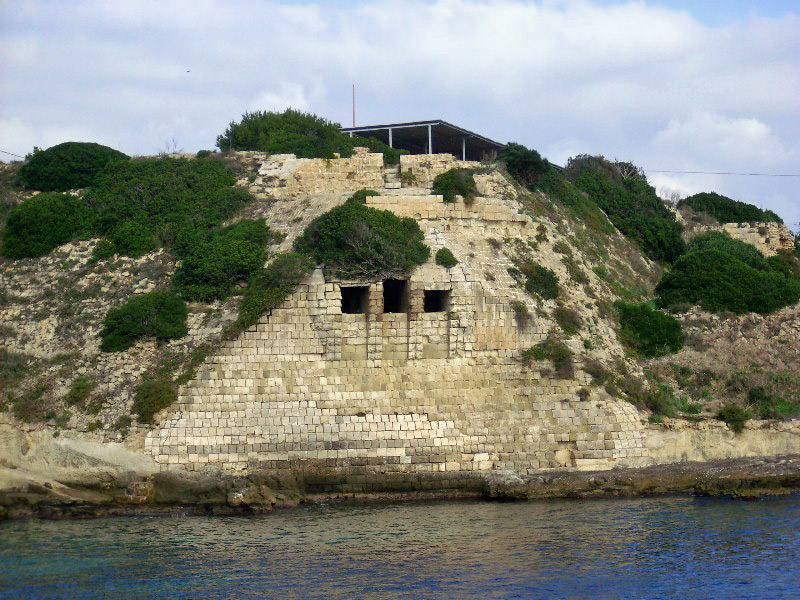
point(674, 547)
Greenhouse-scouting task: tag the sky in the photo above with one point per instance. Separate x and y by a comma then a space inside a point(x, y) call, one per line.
point(671, 85)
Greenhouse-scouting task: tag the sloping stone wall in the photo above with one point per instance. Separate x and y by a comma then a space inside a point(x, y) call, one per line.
point(769, 238)
point(363, 395)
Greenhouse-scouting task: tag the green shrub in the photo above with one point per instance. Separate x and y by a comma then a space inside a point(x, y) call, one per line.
point(67, 166)
point(143, 203)
point(525, 165)
point(568, 319)
point(290, 132)
point(158, 314)
point(727, 210)
point(455, 182)
point(540, 280)
point(769, 406)
point(719, 279)
point(734, 417)
point(353, 241)
point(80, 390)
point(554, 184)
point(661, 400)
point(630, 203)
point(228, 255)
point(153, 394)
point(31, 406)
point(362, 195)
point(103, 250)
point(13, 366)
point(44, 222)
point(521, 313)
point(647, 331)
point(445, 258)
point(270, 286)
point(555, 351)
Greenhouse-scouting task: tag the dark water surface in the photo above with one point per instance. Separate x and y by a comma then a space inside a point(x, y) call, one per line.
point(648, 548)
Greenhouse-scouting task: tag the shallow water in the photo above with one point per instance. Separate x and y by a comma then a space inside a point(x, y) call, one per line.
point(648, 548)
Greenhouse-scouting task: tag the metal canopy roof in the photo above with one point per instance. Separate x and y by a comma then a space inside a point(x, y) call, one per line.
point(419, 136)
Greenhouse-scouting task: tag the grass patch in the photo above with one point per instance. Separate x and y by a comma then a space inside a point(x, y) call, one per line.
point(555, 351)
point(79, 391)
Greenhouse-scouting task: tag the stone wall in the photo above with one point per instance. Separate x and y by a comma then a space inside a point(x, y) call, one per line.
point(365, 395)
point(769, 238)
point(425, 167)
point(284, 175)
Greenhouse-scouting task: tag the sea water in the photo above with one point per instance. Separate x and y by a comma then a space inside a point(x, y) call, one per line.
point(672, 547)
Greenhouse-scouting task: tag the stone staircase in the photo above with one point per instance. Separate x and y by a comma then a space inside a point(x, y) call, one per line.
point(391, 177)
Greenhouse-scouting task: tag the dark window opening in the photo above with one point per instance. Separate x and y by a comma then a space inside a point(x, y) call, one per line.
point(355, 299)
point(395, 296)
point(437, 300)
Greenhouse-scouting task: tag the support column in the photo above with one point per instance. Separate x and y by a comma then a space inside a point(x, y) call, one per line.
point(390, 138)
point(463, 148)
point(430, 140)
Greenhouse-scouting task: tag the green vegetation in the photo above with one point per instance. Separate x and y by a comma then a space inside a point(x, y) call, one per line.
point(145, 203)
point(67, 166)
point(212, 266)
point(302, 134)
point(272, 285)
point(622, 191)
point(30, 407)
point(158, 314)
point(663, 401)
point(734, 417)
point(42, 223)
point(727, 210)
point(13, 366)
point(523, 164)
point(353, 241)
point(539, 280)
point(723, 274)
point(80, 390)
point(445, 258)
point(647, 331)
point(555, 351)
point(289, 132)
point(521, 313)
point(153, 394)
point(455, 182)
point(769, 406)
point(568, 319)
point(362, 195)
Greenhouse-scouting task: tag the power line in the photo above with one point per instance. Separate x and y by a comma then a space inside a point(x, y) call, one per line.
point(11, 153)
point(724, 173)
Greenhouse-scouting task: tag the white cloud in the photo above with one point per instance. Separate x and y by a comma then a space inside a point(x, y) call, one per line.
point(631, 80)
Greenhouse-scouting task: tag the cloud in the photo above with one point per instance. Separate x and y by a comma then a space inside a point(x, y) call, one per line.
point(633, 80)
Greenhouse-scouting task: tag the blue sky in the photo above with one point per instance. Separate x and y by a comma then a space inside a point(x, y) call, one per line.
point(668, 84)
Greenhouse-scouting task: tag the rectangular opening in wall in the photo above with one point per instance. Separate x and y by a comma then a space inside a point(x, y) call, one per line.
point(437, 301)
point(355, 299)
point(395, 295)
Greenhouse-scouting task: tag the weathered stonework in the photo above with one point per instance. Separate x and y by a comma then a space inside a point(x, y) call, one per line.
point(769, 238)
point(425, 167)
point(412, 392)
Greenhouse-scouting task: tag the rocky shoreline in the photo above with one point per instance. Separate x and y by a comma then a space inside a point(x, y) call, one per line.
point(168, 493)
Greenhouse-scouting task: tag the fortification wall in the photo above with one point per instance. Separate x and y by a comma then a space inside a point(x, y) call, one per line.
point(425, 167)
point(769, 238)
point(365, 395)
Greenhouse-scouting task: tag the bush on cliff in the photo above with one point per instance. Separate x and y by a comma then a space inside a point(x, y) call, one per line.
point(159, 314)
point(153, 394)
point(287, 132)
point(727, 210)
point(354, 241)
point(622, 191)
point(539, 280)
point(270, 286)
point(647, 331)
point(213, 265)
point(455, 182)
point(723, 274)
point(42, 223)
point(525, 165)
point(734, 417)
point(144, 203)
point(556, 352)
point(445, 258)
point(67, 166)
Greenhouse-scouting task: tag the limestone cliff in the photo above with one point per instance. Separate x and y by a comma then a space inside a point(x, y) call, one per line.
point(420, 380)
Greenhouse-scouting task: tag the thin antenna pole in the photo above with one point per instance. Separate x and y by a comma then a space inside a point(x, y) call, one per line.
point(354, 105)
